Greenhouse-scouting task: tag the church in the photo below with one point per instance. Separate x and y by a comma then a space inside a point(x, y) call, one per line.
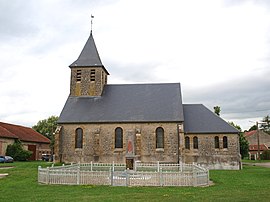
point(124, 123)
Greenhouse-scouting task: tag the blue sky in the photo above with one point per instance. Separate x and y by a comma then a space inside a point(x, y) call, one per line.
point(217, 49)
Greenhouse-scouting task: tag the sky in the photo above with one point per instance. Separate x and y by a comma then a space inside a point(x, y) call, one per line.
point(219, 50)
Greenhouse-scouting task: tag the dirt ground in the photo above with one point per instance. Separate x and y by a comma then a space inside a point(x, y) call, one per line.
point(266, 164)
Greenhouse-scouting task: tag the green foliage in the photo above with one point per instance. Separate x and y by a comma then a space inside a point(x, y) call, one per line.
point(244, 145)
point(266, 127)
point(217, 110)
point(265, 155)
point(235, 126)
point(17, 152)
point(47, 127)
point(254, 127)
point(242, 141)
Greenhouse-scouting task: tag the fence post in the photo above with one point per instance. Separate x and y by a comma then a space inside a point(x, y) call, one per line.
point(111, 172)
point(194, 178)
point(158, 166)
point(160, 177)
point(208, 177)
point(127, 177)
point(78, 174)
point(91, 166)
point(113, 165)
point(47, 175)
point(39, 167)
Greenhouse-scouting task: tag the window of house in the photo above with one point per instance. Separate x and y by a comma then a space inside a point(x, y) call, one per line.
point(118, 137)
point(159, 137)
point(225, 142)
point(78, 75)
point(92, 75)
point(187, 143)
point(216, 142)
point(195, 142)
point(78, 138)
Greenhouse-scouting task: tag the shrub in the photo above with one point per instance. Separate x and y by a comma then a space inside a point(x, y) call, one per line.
point(17, 152)
point(265, 155)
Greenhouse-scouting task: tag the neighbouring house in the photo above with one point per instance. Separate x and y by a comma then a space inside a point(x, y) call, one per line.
point(124, 123)
point(30, 139)
point(256, 138)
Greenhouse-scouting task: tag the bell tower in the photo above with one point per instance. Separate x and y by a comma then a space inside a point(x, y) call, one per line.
point(88, 75)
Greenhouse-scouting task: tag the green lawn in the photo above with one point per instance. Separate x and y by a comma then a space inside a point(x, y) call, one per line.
point(250, 184)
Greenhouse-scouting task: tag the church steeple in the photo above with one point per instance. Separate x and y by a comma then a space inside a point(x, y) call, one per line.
point(88, 75)
point(89, 55)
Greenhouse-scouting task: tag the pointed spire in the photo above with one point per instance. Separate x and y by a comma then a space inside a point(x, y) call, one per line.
point(89, 56)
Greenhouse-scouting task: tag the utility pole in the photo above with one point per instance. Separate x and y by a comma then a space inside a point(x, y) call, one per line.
point(258, 140)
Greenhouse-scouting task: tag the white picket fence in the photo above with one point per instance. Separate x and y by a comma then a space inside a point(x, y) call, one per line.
point(154, 174)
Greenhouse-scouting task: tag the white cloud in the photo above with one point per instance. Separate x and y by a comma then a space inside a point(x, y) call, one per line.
point(205, 45)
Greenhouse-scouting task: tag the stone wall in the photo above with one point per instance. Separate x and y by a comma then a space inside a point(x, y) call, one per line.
point(214, 158)
point(99, 142)
point(4, 142)
point(86, 87)
point(41, 148)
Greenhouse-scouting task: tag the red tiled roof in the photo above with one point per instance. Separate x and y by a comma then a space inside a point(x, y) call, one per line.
point(250, 133)
point(5, 133)
point(22, 133)
point(254, 147)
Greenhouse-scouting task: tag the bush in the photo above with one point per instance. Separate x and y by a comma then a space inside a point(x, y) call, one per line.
point(17, 152)
point(265, 155)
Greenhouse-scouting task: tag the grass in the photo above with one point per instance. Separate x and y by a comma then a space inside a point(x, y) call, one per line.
point(254, 161)
point(251, 183)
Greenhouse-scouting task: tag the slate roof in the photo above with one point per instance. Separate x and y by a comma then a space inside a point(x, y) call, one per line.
point(22, 133)
point(89, 56)
point(127, 103)
point(199, 119)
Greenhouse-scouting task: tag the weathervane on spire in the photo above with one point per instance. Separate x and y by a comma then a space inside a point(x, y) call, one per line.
point(92, 22)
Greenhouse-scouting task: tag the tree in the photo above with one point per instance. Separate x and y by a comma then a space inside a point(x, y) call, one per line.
point(217, 110)
point(266, 126)
point(254, 127)
point(47, 127)
point(244, 146)
point(17, 152)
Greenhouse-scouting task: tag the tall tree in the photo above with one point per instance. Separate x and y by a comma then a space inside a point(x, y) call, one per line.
point(217, 110)
point(266, 124)
point(244, 146)
point(47, 127)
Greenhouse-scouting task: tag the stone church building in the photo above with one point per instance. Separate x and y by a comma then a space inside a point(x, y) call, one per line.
point(125, 123)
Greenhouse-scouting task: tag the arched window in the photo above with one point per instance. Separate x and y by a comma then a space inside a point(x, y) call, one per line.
point(118, 137)
point(216, 142)
point(195, 142)
point(187, 143)
point(159, 137)
point(78, 138)
point(225, 142)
